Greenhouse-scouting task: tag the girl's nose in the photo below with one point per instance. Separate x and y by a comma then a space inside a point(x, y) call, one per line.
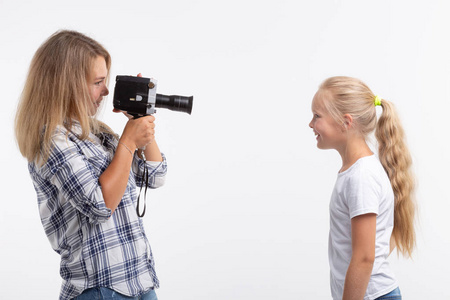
point(105, 92)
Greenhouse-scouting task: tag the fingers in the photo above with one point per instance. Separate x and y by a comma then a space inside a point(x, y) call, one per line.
point(141, 130)
point(149, 118)
point(145, 123)
point(124, 112)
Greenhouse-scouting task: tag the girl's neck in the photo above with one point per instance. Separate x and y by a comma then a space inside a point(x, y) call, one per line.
point(352, 151)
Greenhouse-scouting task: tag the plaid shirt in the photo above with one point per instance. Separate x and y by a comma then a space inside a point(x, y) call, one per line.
point(97, 249)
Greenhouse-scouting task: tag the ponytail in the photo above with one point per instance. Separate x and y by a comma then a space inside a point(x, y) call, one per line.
point(396, 160)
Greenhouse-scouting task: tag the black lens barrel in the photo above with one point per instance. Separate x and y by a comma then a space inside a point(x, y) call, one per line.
point(175, 102)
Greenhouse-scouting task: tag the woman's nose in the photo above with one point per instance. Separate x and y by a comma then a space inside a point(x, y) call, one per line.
point(105, 92)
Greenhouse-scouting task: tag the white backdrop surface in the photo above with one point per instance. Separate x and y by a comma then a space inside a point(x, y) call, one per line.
point(244, 212)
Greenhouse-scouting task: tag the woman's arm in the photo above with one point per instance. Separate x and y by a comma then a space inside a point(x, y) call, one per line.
point(363, 257)
point(151, 152)
point(114, 180)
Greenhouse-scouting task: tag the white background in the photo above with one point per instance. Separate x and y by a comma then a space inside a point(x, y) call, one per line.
point(244, 212)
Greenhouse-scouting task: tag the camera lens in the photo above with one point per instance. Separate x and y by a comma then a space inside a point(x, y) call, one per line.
point(175, 102)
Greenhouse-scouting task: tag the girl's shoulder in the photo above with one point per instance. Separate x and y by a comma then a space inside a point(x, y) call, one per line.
point(366, 171)
point(363, 164)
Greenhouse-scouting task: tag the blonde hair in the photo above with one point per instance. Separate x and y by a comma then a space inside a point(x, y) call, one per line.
point(352, 96)
point(56, 92)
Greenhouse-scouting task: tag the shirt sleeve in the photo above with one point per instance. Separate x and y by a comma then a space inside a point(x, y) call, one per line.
point(363, 194)
point(76, 177)
point(156, 171)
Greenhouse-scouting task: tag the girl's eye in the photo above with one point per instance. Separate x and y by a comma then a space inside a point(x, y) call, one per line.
point(316, 116)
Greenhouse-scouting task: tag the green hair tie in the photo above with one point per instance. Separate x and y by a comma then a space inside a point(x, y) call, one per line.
point(377, 101)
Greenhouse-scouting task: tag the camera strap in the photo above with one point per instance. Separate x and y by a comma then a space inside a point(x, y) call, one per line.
point(144, 182)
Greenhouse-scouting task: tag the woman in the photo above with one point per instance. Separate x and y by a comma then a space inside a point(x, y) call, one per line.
point(84, 175)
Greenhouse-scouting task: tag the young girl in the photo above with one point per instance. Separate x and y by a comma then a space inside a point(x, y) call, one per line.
point(371, 207)
point(85, 177)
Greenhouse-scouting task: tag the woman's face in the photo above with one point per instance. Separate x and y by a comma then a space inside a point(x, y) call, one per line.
point(97, 83)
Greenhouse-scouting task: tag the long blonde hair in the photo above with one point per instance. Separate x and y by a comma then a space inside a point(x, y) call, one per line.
point(56, 92)
point(352, 96)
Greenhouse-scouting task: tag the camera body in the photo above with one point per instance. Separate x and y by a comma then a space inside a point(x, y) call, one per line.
point(137, 96)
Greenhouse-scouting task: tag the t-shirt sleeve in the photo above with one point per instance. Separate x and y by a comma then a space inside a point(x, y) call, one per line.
point(363, 194)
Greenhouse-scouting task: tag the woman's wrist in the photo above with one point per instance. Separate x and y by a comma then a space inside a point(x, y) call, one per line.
point(152, 152)
point(129, 145)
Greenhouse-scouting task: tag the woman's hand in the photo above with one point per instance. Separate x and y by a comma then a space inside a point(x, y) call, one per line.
point(138, 133)
point(124, 112)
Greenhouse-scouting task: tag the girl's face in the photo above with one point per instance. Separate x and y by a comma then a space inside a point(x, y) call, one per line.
point(329, 134)
point(97, 84)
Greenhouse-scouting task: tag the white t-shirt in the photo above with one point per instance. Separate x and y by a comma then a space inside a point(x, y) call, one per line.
point(363, 188)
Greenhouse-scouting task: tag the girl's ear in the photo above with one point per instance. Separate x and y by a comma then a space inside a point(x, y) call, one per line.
point(348, 121)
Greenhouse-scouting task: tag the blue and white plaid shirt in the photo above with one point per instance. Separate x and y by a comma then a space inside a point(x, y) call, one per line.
point(97, 249)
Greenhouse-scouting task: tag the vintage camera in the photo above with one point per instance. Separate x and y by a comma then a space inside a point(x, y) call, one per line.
point(137, 96)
